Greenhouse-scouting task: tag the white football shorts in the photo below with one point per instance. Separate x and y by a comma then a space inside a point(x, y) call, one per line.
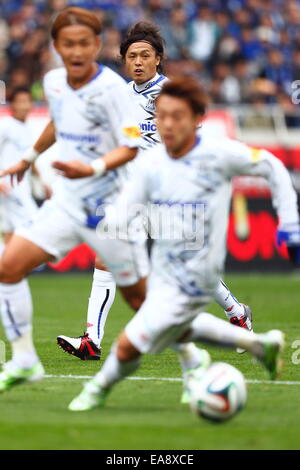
point(16, 211)
point(57, 232)
point(164, 317)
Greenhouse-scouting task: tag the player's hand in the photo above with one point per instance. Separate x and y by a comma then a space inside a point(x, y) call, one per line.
point(73, 169)
point(16, 171)
point(290, 235)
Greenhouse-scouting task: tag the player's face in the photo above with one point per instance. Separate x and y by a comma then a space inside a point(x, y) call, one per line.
point(21, 106)
point(78, 47)
point(141, 62)
point(176, 124)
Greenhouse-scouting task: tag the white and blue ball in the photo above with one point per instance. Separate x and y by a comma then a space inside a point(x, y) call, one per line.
point(219, 393)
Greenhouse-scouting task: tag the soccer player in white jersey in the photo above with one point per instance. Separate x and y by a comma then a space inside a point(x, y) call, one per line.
point(88, 345)
point(188, 170)
point(94, 124)
point(142, 52)
point(17, 204)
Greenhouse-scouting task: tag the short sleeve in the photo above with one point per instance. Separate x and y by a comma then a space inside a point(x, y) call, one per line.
point(122, 114)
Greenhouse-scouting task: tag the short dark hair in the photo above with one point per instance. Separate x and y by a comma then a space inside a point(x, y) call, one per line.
point(17, 91)
point(190, 90)
point(148, 32)
point(75, 15)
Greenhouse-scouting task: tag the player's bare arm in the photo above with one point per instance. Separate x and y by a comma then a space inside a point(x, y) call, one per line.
point(76, 169)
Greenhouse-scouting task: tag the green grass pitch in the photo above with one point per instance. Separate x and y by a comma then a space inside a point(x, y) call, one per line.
point(147, 414)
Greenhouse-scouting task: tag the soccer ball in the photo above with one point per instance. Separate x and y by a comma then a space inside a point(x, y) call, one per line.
point(219, 393)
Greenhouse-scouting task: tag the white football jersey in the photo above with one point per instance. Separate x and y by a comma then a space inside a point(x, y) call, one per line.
point(144, 96)
point(15, 138)
point(197, 191)
point(90, 122)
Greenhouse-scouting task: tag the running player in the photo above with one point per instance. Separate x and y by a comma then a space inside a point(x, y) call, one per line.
point(94, 124)
point(142, 52)
point(187, 170)
point(17, 203)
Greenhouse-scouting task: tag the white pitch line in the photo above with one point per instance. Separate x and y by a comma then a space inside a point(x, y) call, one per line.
point(174, 379)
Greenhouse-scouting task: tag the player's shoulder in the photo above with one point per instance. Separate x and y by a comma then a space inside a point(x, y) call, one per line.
point(55, 79)
point(162, 80)
point(57, 74)
point(225, 150)
point(7, 122)
point(109, 78)
point(219, 145)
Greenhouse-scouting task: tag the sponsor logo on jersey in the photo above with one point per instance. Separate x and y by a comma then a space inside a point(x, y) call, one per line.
point(256, 154)
point(148, 126)
point(133, 132)
point(79, 138)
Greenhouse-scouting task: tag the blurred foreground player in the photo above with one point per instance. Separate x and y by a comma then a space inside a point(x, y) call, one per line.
point(95, 127)
point(142, 52)
point(186, 170)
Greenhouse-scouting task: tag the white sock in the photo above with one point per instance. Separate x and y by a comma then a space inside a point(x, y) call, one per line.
point(101, 299)
point(114, 370)
point(23, 351)
point(16, 314)
point(210, 329)
point(227, 301)
point(188, 354)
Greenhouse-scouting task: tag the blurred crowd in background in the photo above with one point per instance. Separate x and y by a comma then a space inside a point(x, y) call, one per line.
point(245, 51)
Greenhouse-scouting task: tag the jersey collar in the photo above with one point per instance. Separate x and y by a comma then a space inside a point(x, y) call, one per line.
point(184, 157)
point(96, 74)
point(145, 86)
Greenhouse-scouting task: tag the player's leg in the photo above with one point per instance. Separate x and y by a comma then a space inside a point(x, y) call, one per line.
point(152, 329)
point(188, 354)
point(88, 346)
point(18, 210)
point(131, 278)
point(236, 312)
point(135, 294)
point(20, 257)
point(100, 301)
point(130, 266)
point(122, 361)
point(52, 235)
point(210, 329)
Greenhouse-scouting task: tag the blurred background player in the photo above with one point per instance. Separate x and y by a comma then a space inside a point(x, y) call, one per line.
point(17, 203)
point(142, 52)
point(95, 127)
point(191, 170)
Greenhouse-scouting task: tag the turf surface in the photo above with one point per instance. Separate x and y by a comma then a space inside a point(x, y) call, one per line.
point(147, 414)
